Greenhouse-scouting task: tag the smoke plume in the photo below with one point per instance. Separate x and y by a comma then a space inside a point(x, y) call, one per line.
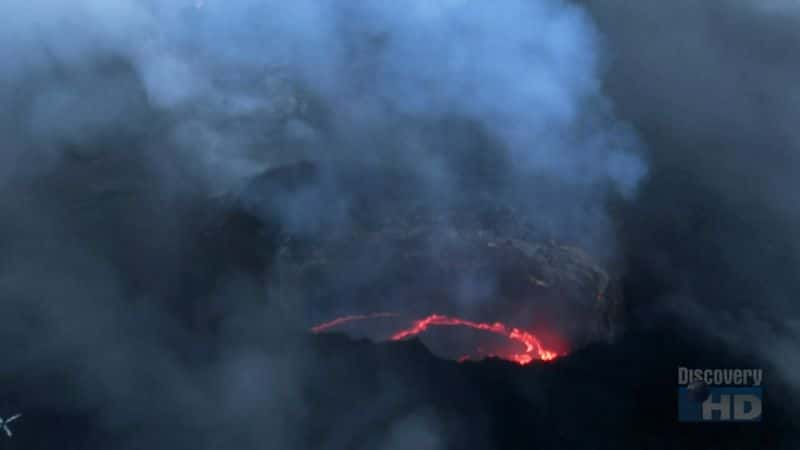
point(121, 120)
point(711, 88)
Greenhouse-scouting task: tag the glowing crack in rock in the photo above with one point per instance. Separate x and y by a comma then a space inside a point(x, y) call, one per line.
point(343, 320)
point(533, 348)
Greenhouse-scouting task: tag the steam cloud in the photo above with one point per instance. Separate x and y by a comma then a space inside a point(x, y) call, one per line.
point(713, 234)
point(527, 73)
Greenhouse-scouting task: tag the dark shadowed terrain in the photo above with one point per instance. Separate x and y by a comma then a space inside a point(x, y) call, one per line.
point(613, 390)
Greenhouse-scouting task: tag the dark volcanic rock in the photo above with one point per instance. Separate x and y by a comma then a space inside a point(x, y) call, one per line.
point(603, 396)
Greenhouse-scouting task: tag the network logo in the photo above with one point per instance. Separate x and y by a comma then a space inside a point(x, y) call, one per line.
point(719, 395)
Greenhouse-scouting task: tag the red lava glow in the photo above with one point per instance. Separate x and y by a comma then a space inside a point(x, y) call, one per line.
point(533, 348)
point(342, 320)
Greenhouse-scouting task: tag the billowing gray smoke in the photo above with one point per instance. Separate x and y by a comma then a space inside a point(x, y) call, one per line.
point(527, 74)
point(120, 118)
point(712, 88)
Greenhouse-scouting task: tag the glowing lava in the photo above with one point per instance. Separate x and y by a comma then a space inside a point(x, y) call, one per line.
point(533, 348)
point(342, 320)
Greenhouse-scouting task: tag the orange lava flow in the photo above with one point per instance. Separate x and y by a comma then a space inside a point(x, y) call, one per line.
point(533, 348)
point(342, 320)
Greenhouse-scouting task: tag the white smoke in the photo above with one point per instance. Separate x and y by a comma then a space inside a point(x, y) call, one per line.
point(527, 71)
